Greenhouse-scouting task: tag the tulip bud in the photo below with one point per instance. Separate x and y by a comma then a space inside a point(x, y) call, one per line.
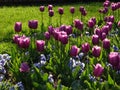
point(61, 11)
point(33, 24)
point(114, 58)
point(72, 10)
point(51, 13)
point(69, 30)
point(96, 50)
point(98, 70)
point(81, 9)
point(15, 38)
point(24, 42)
point(95, 39)
point(119, 24)
point(91, 23)
point(47, 35)
point(64, 39)
point(24, 67)
point(74, 51)
point(103, 36)
point(106, 43)
point(50, 30)
point(40, 45)
point(50, 7)
point(105, 29)
point(18, 27)
point(85, 47)
point(42, 8)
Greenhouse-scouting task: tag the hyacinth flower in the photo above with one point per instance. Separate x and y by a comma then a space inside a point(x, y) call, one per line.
point(18, 27)
point(51, 14)
point(72, 11)
point(61, 12)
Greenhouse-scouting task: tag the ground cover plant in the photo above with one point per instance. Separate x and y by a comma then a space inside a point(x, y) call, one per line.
point(60, 47)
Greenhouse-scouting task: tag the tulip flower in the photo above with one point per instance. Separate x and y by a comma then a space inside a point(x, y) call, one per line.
point(78, 24)
point(68, 30)
point(103, 36)
point(40, 45)
point(42, 8)
point(64, 39)
point(105, 29)
point(50, 7)
point(51, 13)
point(15, 38)
point(91, 23)
point(119, 24)
point(74, 51)
point(24, 67)
point(60, 10)
point(106, 43)
point(85, 47)
point(98, 70)
point(24, 42)
point(47, 35)
point(95, 39)
point(72, 10)
point(96, 50)
point(50, 30)
point(114, 58)
point(33, 24)
point(18, 27)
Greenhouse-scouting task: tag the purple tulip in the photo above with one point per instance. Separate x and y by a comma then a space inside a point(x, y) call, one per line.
point(18, 27)
point(15, 38)
point(84, 13)
point(74, 51)
point(98, 32)
point(91, 23)
point(113, 6)
point(98, 70)
point(68, 30)
point(105, 29)
point(85, 47)
point(24, 42)
point(105, 4)
point(119, 24)
point(40, 45)
point(33, 24)
point(114, 58)
point(60, 10)
point(50, 30)
point(93, 19)
point(103, 36)
point(47, 35)
point(111, 18)
point(72, 10)
point(106, 43)
point(50, 7)
point(105, 10)
point(24, 67)
point(109, 24)
point(64, 39)
point(42, 8)
point(78, 24)
point(62, 28)
point(95, 39)
point(81, 9)
point(96, 50)
point(51, 13)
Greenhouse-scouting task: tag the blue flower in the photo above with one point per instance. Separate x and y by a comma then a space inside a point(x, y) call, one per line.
point(81, 55)
point(38, 65)
point(2, 70)
point(20, 85)
point(92, 78)
point(115, 48)
point(50, 78)
point(1, 77)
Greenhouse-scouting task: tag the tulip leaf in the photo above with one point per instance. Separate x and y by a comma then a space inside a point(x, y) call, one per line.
point(110, 80)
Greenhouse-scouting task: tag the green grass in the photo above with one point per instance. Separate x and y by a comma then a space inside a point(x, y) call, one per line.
point(10, 15)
